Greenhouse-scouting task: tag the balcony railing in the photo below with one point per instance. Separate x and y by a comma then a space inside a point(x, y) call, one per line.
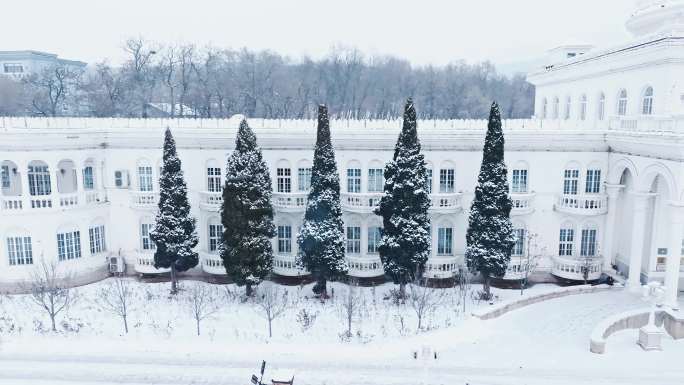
point(211, 201)
point(212, 263)
point(441, 267)
point(81, 199)
point(522, 203)
point(445, 202)
point(290, 201)
point(596, 204)
point(144, 263)
point(144, 199)
point(367, 266)
point(360, 202)
point(646, 124)
point(285, 265)
point(517, 268)
point(574, 268)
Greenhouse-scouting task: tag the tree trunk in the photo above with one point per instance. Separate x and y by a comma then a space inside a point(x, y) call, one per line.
point(125, 324)
point(270, 330)
point(198, 327)
point(248, 290)
point(402, 291)
point(52, 318)
point(174, 287)
point(486, 286)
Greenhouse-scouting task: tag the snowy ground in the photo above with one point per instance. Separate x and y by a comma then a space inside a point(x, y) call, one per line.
point(546, 343)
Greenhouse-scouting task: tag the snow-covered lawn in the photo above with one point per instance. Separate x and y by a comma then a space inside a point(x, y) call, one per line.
point(546, 343)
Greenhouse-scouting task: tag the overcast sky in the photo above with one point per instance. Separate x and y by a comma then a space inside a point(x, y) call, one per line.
point(423, 31)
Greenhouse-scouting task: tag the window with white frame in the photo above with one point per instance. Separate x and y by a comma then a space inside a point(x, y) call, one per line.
point(570, 181)
point(556, 108)
point(214, 182)
point(568, 108)
point(374, 237)
point(19, 251)
point(588, 243)
point(519, 245)
point(145, 178)
point(304, 179)
point(5, 176)
point(445, 238)
point(593, 182)
point(583, 107)
point(215, 236)
point(39, 180)
point(601, 108)
point(622, 103)
point(353, 180)
point(376, 180)
point(566, 241)
point(429, 180)
point(146, 240)
point(88, 178)
point(96, 235)
point(13, 68)
point(284, 180)
point(353, 240)
point(69, 245)
point(284, 239)
point(446, 180)
point(647, 102)
point(519, 181)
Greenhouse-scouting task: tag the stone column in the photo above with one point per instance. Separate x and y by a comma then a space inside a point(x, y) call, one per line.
point(674, 253)
point(641, 203)
point(613, 191)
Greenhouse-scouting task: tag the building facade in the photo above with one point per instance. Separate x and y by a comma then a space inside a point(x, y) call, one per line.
point(19, 64)
point(596, 177)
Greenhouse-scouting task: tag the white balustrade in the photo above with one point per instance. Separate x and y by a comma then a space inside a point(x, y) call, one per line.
point(68, 200)
point(144, 199)
point(517, 268)
point(522, 203)
point(144, 263)
point(93, 197)
point(12, 203)
point(211, 201)
point(358, 202)
point(445, 202)
point(574, 268)
point(367, 266)
point(212, 263)
point(441, 267)
point(286, 265)
point(591, 204)
point(290, 201)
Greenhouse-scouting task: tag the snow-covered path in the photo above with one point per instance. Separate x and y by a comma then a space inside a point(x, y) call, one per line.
point(546, 343)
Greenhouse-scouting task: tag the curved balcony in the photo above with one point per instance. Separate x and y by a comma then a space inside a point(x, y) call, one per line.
point(211, 201)
point(368, 266)
point(516, 269)
point(285, 265)
point(144, 199)
point(290, 202)
point(573, 268)
point(441, 267)
point(144, 264)
point(522, 203)
point(445, 202)
point(596, 204)
point(360, 202)
point(212, 263)
point(18, 204)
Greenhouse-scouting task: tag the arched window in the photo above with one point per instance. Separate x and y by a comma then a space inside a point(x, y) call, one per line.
point(556, 107)
point(283, 177)
point(568, 107)
point(545, 108)
point(583, 107)
point(622, 103)
point(647, 102)
point(601, 108)
point(145, 175)
point(39, 178)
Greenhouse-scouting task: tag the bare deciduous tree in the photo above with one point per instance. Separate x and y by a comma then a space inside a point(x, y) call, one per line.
point(115, 297)
point(271, 302)
point(203, 302)
point(50, 88)
point(350, 307)
point(423, 299)
point(49, 289)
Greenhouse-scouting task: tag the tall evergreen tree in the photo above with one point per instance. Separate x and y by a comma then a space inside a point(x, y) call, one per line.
point(174, 230)
point(490, 236)
point(247, 213)
point(321, 238)
point(405, 244)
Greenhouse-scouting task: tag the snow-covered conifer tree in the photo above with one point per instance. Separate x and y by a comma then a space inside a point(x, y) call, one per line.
point(405, 244)
point(490, 236)
point(174, 230)
point(247, 213)
point(321, 238)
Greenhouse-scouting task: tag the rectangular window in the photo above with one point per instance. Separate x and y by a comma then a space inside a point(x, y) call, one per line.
point(446, 180)
point(593, 185)
point(622, 107)
point(429, 180)
point(39, 180)
point(374, 237)
point(284, 239)
point(519, 245)
point(214, 179)
point(519, 181)
point(304, 179)
point(5, 176)
point(570, 182)
point(13, 68)
point(69, 245)
point(97, 240)
point(376, 180)
point(353, 240)
point(147, 242)
point(145, 178)
point(284, 180)
point(215, 236)
point(88, 179)
point(353, 180)
point(565, 242)
point(444, 240)
point(588, 246)
point(19, 251)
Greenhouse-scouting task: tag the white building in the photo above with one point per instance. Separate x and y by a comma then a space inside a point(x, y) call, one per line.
point(18, 64)
point(597, 174)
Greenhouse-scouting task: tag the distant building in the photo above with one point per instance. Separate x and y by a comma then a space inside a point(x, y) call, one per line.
point(19, 64)
point(164, 110)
